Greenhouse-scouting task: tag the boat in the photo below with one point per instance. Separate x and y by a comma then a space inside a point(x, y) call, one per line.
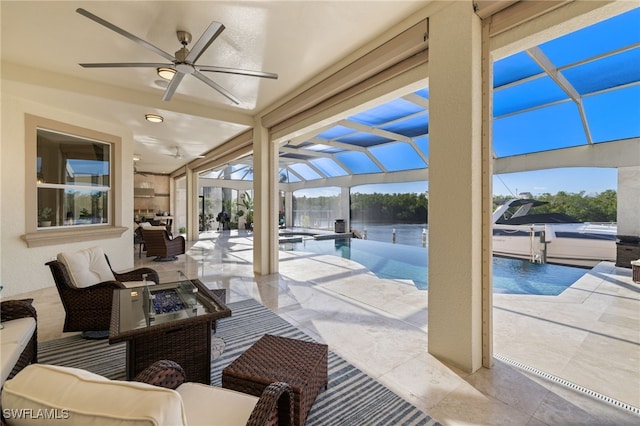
point(550, 237)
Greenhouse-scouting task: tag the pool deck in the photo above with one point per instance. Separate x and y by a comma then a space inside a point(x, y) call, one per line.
point(588, 335)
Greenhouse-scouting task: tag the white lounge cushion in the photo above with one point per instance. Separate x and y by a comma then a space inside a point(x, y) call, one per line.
point(208, 405)
point(14, 337)
point(90, 399)
point(86, 267)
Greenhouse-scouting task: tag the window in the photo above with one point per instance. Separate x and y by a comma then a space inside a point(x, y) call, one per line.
point(75, 181)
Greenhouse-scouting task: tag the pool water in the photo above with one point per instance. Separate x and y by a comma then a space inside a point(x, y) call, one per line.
point(397, 261)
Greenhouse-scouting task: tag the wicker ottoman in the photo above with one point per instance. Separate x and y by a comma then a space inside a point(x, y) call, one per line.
point(303, 365)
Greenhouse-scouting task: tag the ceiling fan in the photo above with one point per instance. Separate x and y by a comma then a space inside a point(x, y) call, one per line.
point(137, 172)
point(184, 60)
point(178, 154)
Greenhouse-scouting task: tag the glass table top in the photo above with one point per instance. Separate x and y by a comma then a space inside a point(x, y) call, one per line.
point(146, 306)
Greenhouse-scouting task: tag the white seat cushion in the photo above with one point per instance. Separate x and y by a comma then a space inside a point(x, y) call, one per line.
point(87, 267)
point(18, 331)
point(9, 355)
point(89, 399)
point(13, 339)
point(208, 405)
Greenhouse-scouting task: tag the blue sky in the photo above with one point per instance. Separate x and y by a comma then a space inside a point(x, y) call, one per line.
point(574, 180)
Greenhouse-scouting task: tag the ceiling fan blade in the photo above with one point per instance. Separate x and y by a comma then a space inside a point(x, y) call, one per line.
point(125, 65)
point(126, 34)
point(210, 34)
point(238, 71)
point(216, 86)
point(173, 85)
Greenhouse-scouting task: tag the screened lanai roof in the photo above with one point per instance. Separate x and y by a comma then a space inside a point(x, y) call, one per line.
point(582, 88)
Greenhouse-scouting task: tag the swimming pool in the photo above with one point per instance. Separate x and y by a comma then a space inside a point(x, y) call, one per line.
point(397, 261)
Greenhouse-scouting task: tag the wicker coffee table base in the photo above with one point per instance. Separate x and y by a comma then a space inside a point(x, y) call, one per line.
point(303, 365)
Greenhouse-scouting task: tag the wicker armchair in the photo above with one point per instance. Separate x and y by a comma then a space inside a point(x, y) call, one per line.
point(14, 309)
point(89, 309)
point(158, 243)
point(274, 408)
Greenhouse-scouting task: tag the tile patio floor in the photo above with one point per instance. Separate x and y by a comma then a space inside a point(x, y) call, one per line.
point(589, 335)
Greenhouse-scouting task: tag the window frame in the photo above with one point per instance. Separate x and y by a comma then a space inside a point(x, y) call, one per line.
point(38, 236)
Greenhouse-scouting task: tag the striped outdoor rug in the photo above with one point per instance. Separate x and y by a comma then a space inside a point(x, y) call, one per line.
point(352, 397)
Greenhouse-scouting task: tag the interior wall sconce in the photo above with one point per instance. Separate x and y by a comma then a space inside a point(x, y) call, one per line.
point(154, 118)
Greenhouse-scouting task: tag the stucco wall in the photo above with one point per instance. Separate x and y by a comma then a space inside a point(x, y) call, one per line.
point(23, 268)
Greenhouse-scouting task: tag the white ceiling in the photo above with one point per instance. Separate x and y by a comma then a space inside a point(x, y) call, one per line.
point(295, 39)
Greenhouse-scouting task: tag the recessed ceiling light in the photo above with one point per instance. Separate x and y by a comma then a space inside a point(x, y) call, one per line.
point(166, 73)
point(154, 118)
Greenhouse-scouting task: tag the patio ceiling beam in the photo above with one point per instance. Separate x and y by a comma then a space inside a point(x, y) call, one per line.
point(407, 117)
point(350, 147)
point(293, 172)
point(337, 144)
point(418, 100)
point(624, 153)
point(306, 152)
point(376, 161)
point(543, 61)
point(373, 130)
point(418, 151)
point(389, 135)
point(333, 157)
point(310, 153)
point(314, 168)
point(350, 181)
point(306, 137)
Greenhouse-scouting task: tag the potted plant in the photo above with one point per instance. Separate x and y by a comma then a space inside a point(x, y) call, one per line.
point(44, 216)
point(247, 204)
point(240, 217)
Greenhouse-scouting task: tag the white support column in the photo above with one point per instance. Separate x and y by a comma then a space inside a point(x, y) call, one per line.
point(345, 201)
point(265, 202)
point(193, 223)
point(288, 209)
point(487, 198)
point(629, 201)
point(455, 186)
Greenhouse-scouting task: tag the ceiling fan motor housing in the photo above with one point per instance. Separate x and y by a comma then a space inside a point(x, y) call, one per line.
point(184, 37)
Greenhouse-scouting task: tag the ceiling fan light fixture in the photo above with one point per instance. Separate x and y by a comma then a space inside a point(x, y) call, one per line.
point(166, 73)
point(154, 118)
